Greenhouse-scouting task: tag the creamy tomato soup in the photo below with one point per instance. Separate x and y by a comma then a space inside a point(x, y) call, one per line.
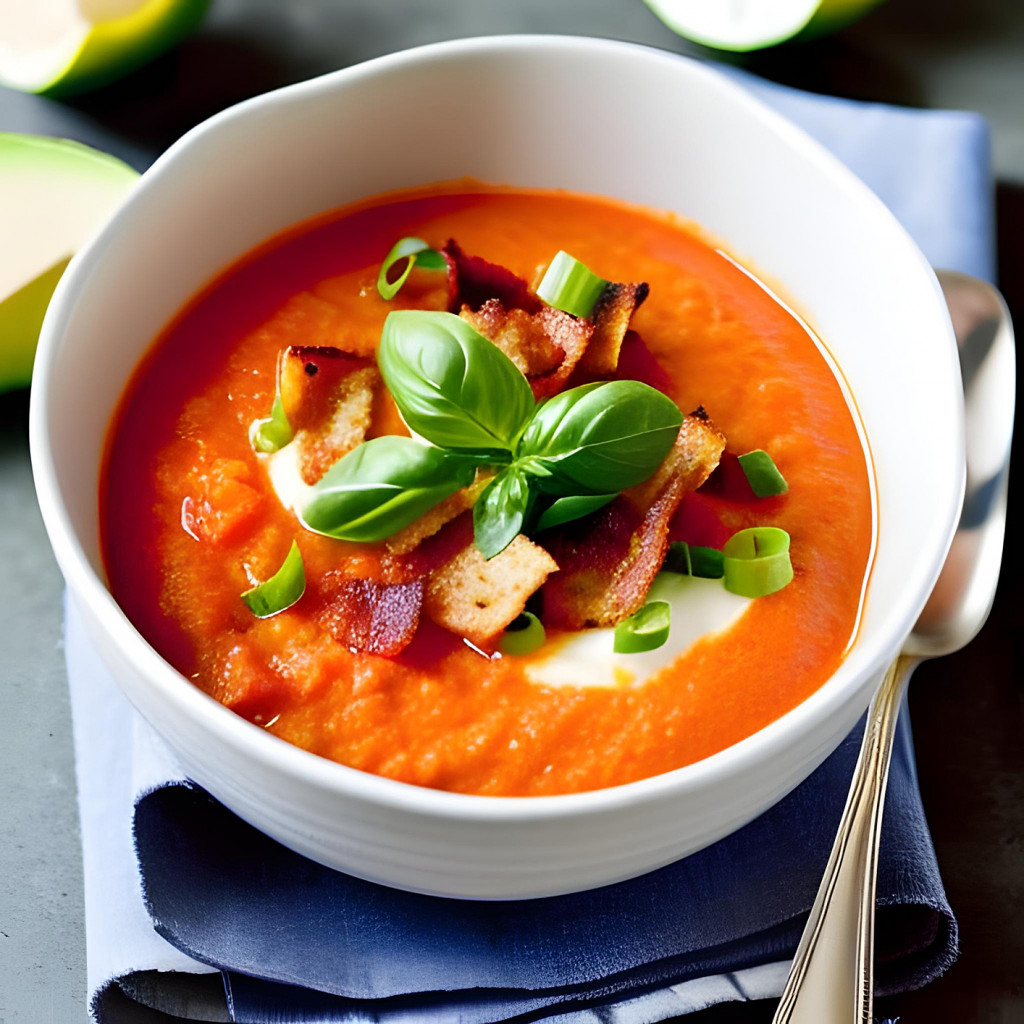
point(389, 661)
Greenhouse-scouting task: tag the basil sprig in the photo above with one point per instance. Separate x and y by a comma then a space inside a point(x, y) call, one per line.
point(451, 385)
point(601, 437)
point(464, 396)
point(500, 511)
point(572, 506)
point(382, 486)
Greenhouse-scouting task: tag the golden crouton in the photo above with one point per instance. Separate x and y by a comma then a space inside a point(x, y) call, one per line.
point(344, 428)
point(477, 598)
point(609, 562)
point(545, 346)
point(611, 316)
point(429, 523)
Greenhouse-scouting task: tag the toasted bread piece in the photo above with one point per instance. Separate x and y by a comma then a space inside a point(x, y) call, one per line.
point(546, 345)
point(477, 598)
point(429, 523)
point(611, 316)
point(608, 562)
point(344, 427)
point(309, 377)
point(518, 334)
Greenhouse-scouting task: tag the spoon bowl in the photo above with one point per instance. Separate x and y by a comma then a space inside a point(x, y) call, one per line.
point(963, 595)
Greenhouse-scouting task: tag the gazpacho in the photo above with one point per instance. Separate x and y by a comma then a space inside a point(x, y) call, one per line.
point(498, 491)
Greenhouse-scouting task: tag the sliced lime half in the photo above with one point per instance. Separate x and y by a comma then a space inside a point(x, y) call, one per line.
point(755, 24)
point(66, 46)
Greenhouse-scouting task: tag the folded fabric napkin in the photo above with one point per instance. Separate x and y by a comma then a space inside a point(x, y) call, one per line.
point(193, 915)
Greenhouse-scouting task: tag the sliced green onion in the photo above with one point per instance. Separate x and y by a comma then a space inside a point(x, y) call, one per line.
point(762, 474)
point(273, 433)
point(645, 630)
point(757, 561)
point(431, 259)
point(571, 286)
point(573, 506)
point(415, 252)
point(693, 560)
point(523, 635)
point(282, 590)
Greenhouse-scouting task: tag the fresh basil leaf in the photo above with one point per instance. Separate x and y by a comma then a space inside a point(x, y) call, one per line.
point(500, 510)
point(573, 506)
point(382, 486)
point(273, 433)
point(282, 590)
point(415, 252)
point(601, 437)
point(451, 385)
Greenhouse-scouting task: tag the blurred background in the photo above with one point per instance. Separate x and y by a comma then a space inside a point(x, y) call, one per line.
point(967, 709)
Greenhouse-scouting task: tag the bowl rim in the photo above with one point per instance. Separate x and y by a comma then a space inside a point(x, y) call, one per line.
point(279, 756)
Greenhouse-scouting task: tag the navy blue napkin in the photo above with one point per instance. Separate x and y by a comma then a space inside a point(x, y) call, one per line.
point(297, 942)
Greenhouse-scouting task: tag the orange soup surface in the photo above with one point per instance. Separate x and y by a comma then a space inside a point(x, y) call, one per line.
point(190, 520)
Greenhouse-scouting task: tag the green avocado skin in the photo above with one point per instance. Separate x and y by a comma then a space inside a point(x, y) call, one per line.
point(56, 171)
point(21, 317)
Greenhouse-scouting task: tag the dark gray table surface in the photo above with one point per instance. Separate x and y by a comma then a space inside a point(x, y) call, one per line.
point(967, 709)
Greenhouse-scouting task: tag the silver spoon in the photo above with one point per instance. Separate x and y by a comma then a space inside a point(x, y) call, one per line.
point(832, 977)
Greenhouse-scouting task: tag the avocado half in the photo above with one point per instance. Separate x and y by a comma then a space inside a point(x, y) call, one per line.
point(54, 194)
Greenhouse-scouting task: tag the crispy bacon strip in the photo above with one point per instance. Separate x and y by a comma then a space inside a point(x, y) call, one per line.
point(369, 615)
point(472, 281)
point(546, 345)
point(611, 316)
point(637, 362)
point(327, 396)
point(608, 562)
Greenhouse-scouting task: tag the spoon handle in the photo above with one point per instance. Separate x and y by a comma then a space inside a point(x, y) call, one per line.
point(832, 977)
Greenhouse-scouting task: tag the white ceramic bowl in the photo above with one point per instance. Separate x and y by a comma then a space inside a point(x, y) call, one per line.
point(583, 114)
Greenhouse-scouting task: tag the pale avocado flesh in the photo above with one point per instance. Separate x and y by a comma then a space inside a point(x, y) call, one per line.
point(54, 194)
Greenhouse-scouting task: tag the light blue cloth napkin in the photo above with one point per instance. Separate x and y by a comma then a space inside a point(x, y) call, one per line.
point(690, 936)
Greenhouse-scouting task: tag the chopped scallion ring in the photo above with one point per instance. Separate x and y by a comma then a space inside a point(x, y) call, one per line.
point(644, 630)
point(415, 252)
point(270, 435)
point(523, 635)
point(693, 560)
point(762, 474)
point(273, 433)
point(756, 561)
point(571, 286)
point(282, 590)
